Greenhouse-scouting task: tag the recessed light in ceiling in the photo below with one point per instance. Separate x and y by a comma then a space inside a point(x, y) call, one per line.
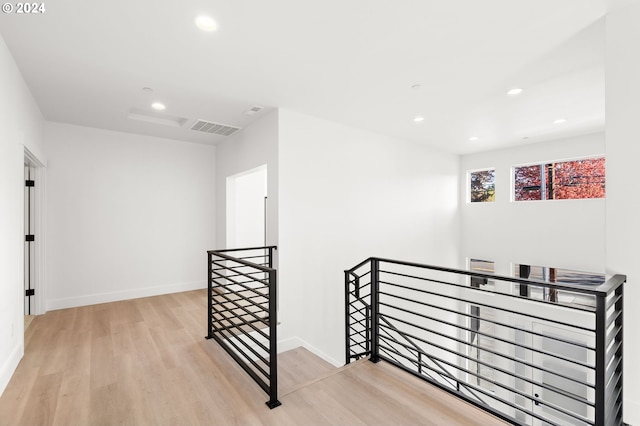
point(158, 106)
point(560, 121)
point(418, 119)
point(206, 23)
point(147, 89)
point(474, 138)
point(515, 91)
point(416, 87)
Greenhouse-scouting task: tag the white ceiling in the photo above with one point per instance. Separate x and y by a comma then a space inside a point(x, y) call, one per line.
point(349, 61)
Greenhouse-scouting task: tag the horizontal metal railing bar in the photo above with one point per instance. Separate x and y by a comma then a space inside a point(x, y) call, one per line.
point(242, 249)
point(219, 328)
point(478, 289)
point(242, 262)
point(613, 301)
point(615, 395)
point(507, 357)
point(602, 289)
point(240, 293)
point(612, 352)
point(612, 335)
point(241, 362)
point(474, 303)
point(360, 333)
point(617, 415)
point(252, 293)
point(228, 300)
point(245, 323)
point(261, 370)
point(613, 318)
point(612, 371)
point(612, 284)
point(486, 335)
point(253, 315)
point(240, 275)
point(482, 290)
point(485, 407)
point(242, 317)
point(458, 313)
point(356, 309)
point(495, 368)
point(362, 322)
point(235, 270)
point(240, 325)
point(259, 296)
point(358, 266)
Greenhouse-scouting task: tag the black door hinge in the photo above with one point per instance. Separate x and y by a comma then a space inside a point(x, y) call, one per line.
point(30, 183)
point(30, 292)
point(30, 237)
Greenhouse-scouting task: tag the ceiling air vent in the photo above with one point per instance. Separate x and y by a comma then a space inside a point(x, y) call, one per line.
point(214, 128)
point(254, 109)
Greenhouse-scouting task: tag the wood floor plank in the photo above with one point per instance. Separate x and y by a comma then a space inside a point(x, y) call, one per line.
point(146, 362)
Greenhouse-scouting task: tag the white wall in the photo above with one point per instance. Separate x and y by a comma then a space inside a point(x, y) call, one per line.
point(128, 215)
point(560, 233)
point(254, 146)
point(622, 206)
point(345, 195)
point(21, 125)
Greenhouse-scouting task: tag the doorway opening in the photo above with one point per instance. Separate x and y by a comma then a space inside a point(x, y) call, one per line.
point(247, 208)
point(33, 240)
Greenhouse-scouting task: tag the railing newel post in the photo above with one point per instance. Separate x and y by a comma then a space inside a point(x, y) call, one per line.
point(273, 342)
point(375, 309)
point(209, 297)
point(600, 367)
point(347, 322)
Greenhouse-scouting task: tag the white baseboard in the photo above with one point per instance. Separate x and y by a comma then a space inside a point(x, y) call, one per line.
point(631, 412)
point(116, 296)
point(296, 342)
point(10, 365)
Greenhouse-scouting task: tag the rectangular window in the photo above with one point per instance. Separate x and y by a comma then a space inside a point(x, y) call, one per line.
point(565, 180)
point(483, 185)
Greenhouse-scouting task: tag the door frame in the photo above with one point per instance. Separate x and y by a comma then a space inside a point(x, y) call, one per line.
point(38, 281)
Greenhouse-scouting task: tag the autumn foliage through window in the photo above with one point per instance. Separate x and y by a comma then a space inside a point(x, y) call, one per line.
point(483, 186)
point(561, 180)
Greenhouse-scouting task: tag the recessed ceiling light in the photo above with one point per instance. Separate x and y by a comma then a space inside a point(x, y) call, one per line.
point(416, 87)
point(474, 138)
point(147, 89)
point(158, 106)
point(418, 118)
point(560, 121)
point(205, 23)
point(515, 91)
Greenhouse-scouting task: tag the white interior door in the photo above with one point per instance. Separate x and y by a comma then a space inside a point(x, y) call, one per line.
point(546, 394)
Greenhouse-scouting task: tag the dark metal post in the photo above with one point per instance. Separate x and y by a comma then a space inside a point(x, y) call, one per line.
point(209, 298)
point(601, 368)
point(273, 343)
point(620, 370)
point(375, 309)
point(347, 322)
point(270, 260)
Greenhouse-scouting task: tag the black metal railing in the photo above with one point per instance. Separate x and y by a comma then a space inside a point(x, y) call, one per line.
point(524, 356)
point(242, 312)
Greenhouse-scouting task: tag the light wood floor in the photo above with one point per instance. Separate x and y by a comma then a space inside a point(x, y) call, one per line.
point(146, 362)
